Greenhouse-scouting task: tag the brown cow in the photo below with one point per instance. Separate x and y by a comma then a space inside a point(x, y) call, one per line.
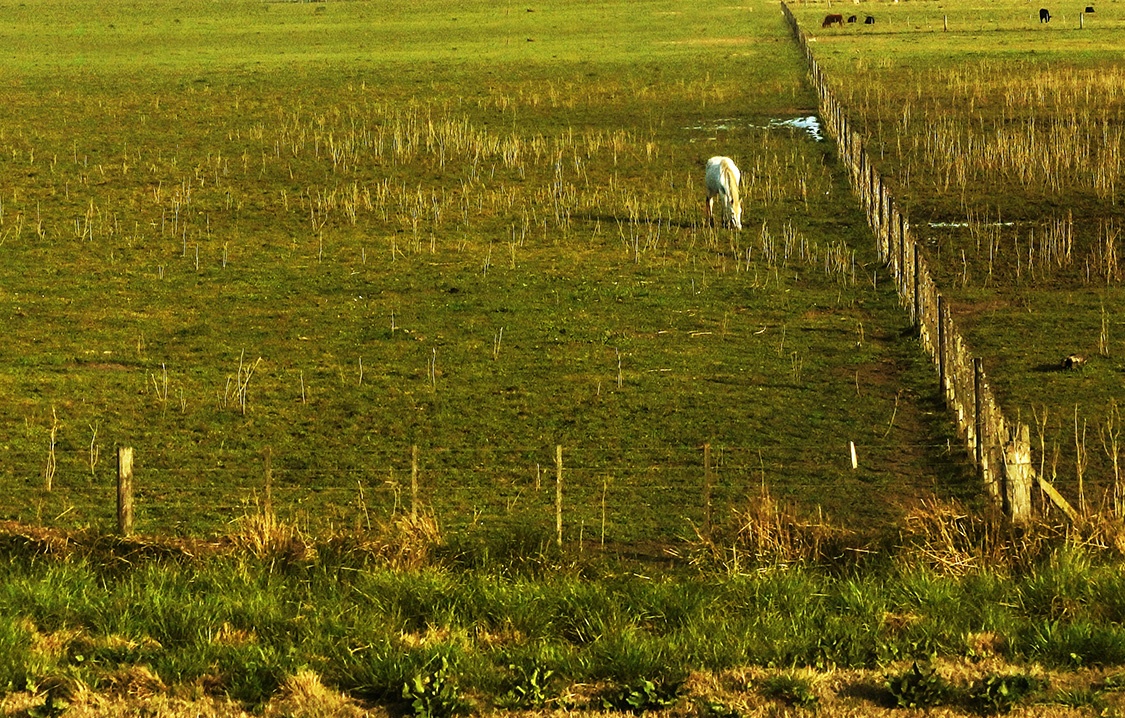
point(833, 20)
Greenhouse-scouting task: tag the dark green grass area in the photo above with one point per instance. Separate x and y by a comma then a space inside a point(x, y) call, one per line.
point(241, 626)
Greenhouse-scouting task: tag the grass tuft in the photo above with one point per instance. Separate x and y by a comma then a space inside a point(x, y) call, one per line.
point(1001, 692)
point(262, 534)
point(920, 686)
point(304, 695)
point(794, 689)
point(775, 533)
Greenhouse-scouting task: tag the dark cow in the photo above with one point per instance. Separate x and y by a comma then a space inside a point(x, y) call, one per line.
point(852, 18)
point(1074, 361)
point(1044, 15)
point(830, 20)
point(869, 20)
point(1089, 9)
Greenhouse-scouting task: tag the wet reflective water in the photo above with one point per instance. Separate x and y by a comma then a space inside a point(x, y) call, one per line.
point(810, 125)
point(966, 224)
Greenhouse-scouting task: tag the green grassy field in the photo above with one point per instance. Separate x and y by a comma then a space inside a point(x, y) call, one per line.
point(298, 239)
point(303, 238)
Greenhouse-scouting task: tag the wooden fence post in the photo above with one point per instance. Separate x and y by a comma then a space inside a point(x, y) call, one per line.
point(861, 171)
point(414, 482)
point(269, 481)
point(917, 289)
point(987, 431)
point(558, 494)
point(902, 275)
point(941, 343)
point(125, 490)
point(885, 219)
point(1018, 474)
point(978, 419)
point(873, 204)
point(707, 490)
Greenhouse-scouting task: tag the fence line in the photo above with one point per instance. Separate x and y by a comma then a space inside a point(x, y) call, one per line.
point(1000, 449)
point(626, 505)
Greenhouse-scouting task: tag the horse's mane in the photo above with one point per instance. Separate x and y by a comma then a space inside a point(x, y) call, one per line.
point(731, 183)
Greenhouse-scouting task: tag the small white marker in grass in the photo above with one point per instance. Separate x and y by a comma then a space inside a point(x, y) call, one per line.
point(855, 463)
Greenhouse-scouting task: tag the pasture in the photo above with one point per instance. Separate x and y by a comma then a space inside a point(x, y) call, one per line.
point(1002, 138)
point(273, 247)
point(297, 240)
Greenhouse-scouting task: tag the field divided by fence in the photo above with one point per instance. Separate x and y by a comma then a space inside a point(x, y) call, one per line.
point(999, 447)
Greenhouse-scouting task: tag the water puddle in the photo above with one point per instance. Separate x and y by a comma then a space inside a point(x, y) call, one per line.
point(725, 123)
point(810, 125)
point(961, 225)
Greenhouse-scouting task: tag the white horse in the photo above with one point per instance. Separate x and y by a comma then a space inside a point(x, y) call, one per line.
point(723, 179)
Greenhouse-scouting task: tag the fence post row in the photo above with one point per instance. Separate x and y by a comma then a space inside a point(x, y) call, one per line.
point(1006, 470)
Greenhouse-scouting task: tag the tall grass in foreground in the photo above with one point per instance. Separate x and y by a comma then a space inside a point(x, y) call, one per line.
point(244, 617)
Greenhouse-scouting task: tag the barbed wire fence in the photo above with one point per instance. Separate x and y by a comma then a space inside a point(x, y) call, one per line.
point(626, 496)
point(999, 447)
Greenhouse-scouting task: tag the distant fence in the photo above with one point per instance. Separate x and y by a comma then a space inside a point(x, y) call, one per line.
point(1000, 449)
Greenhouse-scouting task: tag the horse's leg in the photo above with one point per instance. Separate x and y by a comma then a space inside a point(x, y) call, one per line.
point(708, 214)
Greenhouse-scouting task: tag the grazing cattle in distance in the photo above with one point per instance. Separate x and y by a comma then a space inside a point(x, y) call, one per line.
point(722, 181)
point(1044, 15)
point(1089, 9)
point(830, 20)
point(1074, 361)
point(852, 18)
point(869, 20)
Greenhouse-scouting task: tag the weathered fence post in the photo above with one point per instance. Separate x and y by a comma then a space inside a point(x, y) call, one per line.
point(269, 481)
point(558, 494)
point(1018, 474)
point(988, 431)
point(902, 275)
point(414, 482)
point(707, 479)
point(888, 228)
point(917, 289)
point(125, 490)
point(978, 419)
point(941, 344)
point(860, 171)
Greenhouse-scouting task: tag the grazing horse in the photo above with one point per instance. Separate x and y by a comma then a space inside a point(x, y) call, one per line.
point(1044, 15)
point(830, 20)
point(723, 179)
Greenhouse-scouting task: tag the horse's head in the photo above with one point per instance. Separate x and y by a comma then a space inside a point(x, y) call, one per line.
point(736, 214)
